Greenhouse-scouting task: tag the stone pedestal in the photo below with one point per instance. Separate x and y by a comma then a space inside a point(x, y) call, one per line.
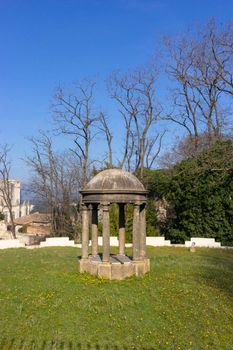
point(83, 265)
point(104, 270)
point(114, 269)
point(141, 267)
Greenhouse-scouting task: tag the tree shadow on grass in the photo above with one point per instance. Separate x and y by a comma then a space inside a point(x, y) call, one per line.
point(217, 272)
point(22, 344)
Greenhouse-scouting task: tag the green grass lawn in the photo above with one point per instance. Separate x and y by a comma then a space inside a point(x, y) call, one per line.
point(185, 302)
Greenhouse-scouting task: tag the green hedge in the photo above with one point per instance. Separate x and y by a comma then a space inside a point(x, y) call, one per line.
point(200, 191)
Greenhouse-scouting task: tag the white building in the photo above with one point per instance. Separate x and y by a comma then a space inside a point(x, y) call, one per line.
point(19, 209)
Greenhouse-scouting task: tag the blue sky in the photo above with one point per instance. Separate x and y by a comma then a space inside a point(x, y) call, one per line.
point(45, 43)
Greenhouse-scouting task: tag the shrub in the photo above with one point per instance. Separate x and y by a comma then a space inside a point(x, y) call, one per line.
point(200, 190)
point(23, 229)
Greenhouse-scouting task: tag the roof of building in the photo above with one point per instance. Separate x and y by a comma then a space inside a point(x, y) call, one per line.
point(114, 180)
point(33, 218)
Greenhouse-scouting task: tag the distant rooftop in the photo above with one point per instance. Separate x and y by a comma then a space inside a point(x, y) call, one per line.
point(33, 218)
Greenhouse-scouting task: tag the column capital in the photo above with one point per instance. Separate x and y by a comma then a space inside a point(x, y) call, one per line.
point(137, 205)
point(85, 207)
point(105, 206)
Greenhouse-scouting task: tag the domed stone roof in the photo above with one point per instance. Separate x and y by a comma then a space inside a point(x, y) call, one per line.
point(114, 180)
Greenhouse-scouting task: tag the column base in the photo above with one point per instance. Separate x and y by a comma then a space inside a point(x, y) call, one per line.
point(141, 266)
point(116, 269)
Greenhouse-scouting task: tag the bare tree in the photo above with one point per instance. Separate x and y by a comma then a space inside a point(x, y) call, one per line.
point(135, 95)
point(6, 186)
point(221, 45)
point(74, 115)
point(54, 181)
point(151, 157)
point(105, 130)
point(199, 86)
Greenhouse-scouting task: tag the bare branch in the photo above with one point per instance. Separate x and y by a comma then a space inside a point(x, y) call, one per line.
point(6, 185)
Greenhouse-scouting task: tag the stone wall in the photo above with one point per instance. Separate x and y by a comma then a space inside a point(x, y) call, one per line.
point(11, 243)
point(114, 242)
point(44, 229)
point(57, 242)
point(157, 241)
point(30, 239)
point(4, 234)
point(203, 242)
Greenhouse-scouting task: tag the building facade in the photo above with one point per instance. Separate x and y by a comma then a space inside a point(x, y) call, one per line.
point(19, 209)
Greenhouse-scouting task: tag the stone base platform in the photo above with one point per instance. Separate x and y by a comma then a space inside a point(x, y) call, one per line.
point(119, 267)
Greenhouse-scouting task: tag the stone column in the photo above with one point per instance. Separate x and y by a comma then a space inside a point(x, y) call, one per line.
point(142, 231)
point(106, 233)
point(85, 231)
point(136, 232)
point(121, 229)
point(94, 230)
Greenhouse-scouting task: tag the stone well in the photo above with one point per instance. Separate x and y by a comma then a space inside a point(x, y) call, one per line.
point(107, 187)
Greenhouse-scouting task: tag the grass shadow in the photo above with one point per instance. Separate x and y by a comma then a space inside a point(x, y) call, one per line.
point(217, 270)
